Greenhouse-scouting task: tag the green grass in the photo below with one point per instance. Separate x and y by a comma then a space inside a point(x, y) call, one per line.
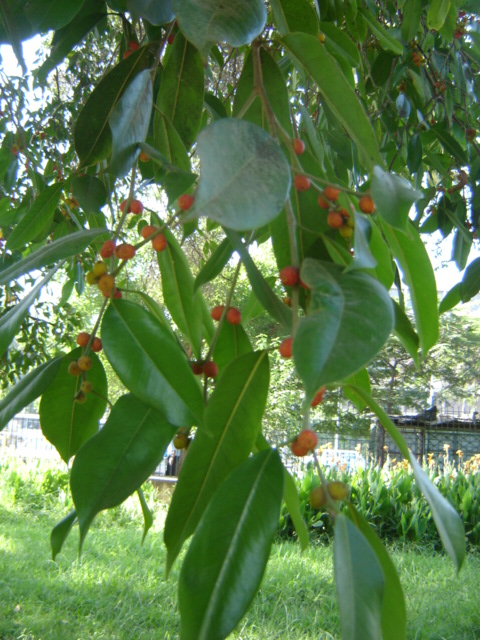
point(118, 589)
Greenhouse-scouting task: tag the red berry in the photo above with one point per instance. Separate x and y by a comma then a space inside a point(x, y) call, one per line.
point(289, 276)
point(197, 368)
point(210, 369)
point(307, 439)
point(297, 449)
point(301, 183)
point(97, 345)
point(331, 193)
point(233, 316)
point(132, 45)
point(185, 202)
point(159, 243)
point(171, 38)
point(323, 204)
point(217, 311)
point(298, 146)
point(335, 219)
point(125, 251)
point(285, 347)
point(135, 206)
point(117, 293)
point(83, 338)
point(366, 204)
point(108, 249)
point(148, 230)
point(318, 397)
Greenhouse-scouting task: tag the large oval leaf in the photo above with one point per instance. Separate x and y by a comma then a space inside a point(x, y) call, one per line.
point(245, 177)
point(68, 424)
point(232, 421)
point(236, 22)
point(150, 363)
point(350, 318)
point(232, 342)
point(224, 565)
point(129, 445)
point(393, 196)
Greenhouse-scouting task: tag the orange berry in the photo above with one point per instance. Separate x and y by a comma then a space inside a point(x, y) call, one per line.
point(135, 206)
point(83, 338)
point(285, 347)
point(84, 363)
point(106, 284)
point(308, 439)
point(143, 157)
point(331, 193)
point(148, 230)
point(233, 316)
point(297, 449)
point(125, 251)
point(323, 204)
point(210, 369)
point(289, 276)
point(108, 249)
point(159, 243)
point(185, 202)
point(298, 146)
point(217, 311)
point(318, 397)
point(301, 183)
point(366, 204)
point(96, 345)
point(334, 219)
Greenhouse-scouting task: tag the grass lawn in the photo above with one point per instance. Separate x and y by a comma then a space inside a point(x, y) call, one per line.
point(118, 589)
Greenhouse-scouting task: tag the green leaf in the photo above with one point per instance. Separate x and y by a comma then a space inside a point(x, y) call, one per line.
point(150, 363)
point(462, 243)
point(405, 332)
point(214, 265)
point(470, 284)
point(147, 514)
point(68, 424)
point(237, 22)
point(449, 143)
point(384, 37)
point(224, 566)
point(411, 255)
point(90, 193)
point(393, 197)
point(232, 421)
point(394, 616)
point(294, 15)
point(129, 446)
point(27, 389)
point(155, 309)
point(339, 95)
point(129, 122)
point(60, 533)
point(265, 294)
point(92, 135)
point(340, 43)
point(244, 177)
point(48, 15)
point(58, 250)
point(350, 318)
point(180, 97)
point(359, 379)
point(13, 318)
point(411, 19)
point(36, 222)
point(384, 270)
point(292, 501)
point(451, 298)
point(437, 13)
point(360, 583)
point(363, 257)
point(415, 153)
point(232, 342)
point(153, 11)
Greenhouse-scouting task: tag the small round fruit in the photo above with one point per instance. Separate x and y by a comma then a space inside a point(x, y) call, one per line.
point(80, 397)
point(171, 38)
point(99, 269)
point(346, 231)
point(322, 203)
point(181, 441)
point(148, 230)
point(338, 490)
point(106, 284)
point(331, 193)
point(334, 219)
point(143, 157)
point(298, 146)
point(307, 439)
point(74, 369)
point(285, 347)
point(159, 243)
point(471, 133)
point(185, 202)
point(301, 183)
point(318, 397)
point(317, 497)
point(84, 363)
point(117, 293)
point(135, 206)
point(366, 204)
point(83, 338)
point(289, 276)
point(108, 249)
point(132, 45)
point(297, 449)
point(210, 369)
point(125, 251)
point(233, 316)
point(91, 278)
point(96, 345)
point(197, 368)
point(86, 386)
point(216, 312)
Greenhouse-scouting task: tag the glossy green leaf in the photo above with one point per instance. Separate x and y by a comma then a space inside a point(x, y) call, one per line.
point(437, 13)
point(60, 533)
point(13, 318)
point(470, 284)
point(178, 293)
point(411, 255)
point(411, 19)
point(260, 286)
point(153, 11)
point(393, 197)
point(150, 363)
point(360, 583)
point(180, 97)
point(363, 257)
point(214, 265)
point(68, 424)
point(292, 501)
point(90, 193)
point(36, 222)
point(237, 22)
point(224, 565)
point(244, 175)
point(384, 270)
point(294, 15)
point(406, 333)
point(462, 243)
point(147, 514)
point(385, 39)
point(92, 135)
point(232, 342)
point(155, 309)
point(130, 445)
point(394, 615)
point(415, 153)
point(451, 298)
point(350, 318)
point(339, 95)
point(58, 250)
point(129, 122)
point(340, 43)
point(48, 15)
point(359, 379)
point(449, 143)
point(232, 421)
point(27, 389)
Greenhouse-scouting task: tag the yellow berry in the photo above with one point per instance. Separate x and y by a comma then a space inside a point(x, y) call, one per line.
point(74, 369)
point(87, 386)
point(84, 363)
point(99, 269)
